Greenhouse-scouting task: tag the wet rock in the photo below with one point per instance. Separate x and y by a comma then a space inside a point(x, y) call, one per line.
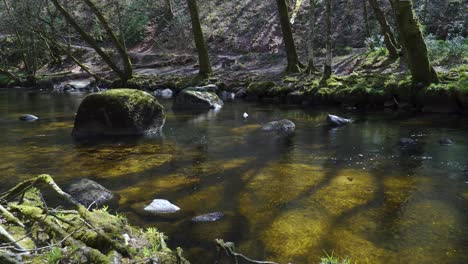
point(81, 85)
point(212, 88)
point(406, 141)
point(334, 120)
point(161, 206)
point(241, 93)
point(284, 125)
point(118, 112)
point(86, 192)
point(189, 99)
point(28, 118)
point(211, 217)
point(166, 93)
point(446, 141)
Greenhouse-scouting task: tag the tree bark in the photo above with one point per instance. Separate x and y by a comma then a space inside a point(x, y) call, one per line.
point(119, 44)
point(412, 39)
point(327, 68)
point(169, 10)
point(366, 18)
point(88, 39)
point(389, 38)
point(294, 64)
point(200, 43)
point(310, 40)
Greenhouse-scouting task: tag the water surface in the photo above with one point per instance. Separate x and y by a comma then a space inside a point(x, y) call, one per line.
point(352, 191)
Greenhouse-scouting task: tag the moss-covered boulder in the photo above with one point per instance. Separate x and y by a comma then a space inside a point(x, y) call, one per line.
point(118, 112)
point(189, 99)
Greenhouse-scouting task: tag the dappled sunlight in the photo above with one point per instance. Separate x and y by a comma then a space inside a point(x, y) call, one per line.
point(349, 189)
point(204, 199)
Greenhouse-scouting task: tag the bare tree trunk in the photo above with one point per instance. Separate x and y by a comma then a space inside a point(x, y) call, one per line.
point(200, 43)
point(389, 38)
point(366, 18)
point(413, 41)
point(169, 10)
point(120, 45)
point(294, 65)
point(310, 40)
point(88, 39)
point(9, 75)
point(327, 68)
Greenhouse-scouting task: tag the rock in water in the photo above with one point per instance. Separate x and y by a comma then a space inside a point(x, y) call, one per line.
point(334, 120)
point(162, 206)
point(211, 217)
point(118, 112)
point(212, 88)
point(446, 142)
point(406, 142)
point(166, 93)
point(86, 192)
point(188, 99)
point(28, 118)
point(284, 125)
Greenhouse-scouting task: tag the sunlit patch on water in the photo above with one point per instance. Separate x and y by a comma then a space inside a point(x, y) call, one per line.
point(287, 198)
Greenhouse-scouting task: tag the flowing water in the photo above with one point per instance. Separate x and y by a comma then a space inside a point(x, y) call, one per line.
point(351, 191)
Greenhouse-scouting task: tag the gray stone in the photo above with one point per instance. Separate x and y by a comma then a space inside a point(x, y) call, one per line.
point(212, 88)
point(211, 217)
point(334, 120)
point(28, 118)
point(189, 99)
point(161, 206)
point(446, 142)
point(284, 125)
point(406, 141)
point(166, 93)
point(118, 112)
point(87, 192)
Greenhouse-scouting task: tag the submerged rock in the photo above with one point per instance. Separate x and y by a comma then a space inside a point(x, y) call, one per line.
point(446, 142)
point(334, 120)
point(284, 125)
point(211, 217)
point(188, 99)
point(161, 206)
point(28, 118)
point(86, 192)
point(118, 112)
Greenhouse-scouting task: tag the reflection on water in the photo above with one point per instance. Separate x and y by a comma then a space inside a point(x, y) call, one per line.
point(352, 191)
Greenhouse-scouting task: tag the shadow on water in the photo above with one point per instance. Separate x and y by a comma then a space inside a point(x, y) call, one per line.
point(286, 198)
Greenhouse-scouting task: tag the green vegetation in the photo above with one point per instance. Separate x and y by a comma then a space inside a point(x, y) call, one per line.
point(331, 259)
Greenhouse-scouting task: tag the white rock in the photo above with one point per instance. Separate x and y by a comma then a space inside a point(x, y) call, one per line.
point(162, 206)
point(245, 115)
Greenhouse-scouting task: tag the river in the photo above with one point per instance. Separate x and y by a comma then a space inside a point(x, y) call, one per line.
point(352, 191)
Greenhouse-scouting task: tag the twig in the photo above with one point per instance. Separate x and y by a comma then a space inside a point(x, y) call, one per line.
point(229, 249)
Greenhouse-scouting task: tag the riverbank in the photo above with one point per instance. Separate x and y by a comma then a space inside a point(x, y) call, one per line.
point(31, 231)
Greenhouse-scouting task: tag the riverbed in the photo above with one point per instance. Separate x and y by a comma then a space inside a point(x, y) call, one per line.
point(353, 191)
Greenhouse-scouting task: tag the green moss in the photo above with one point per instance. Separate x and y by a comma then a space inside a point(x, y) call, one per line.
point(260, 89)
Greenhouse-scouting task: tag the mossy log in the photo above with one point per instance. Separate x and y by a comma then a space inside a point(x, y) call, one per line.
point(80, 235)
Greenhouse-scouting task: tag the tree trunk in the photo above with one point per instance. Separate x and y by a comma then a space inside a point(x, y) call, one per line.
point(327, 68)
point(294, 64)
point(366, 18)
point(169, 10)
point(389, 38)
point(200, 43)
point(413, 41)
point(310, 40)
point(119, 44)
point(88, 39)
